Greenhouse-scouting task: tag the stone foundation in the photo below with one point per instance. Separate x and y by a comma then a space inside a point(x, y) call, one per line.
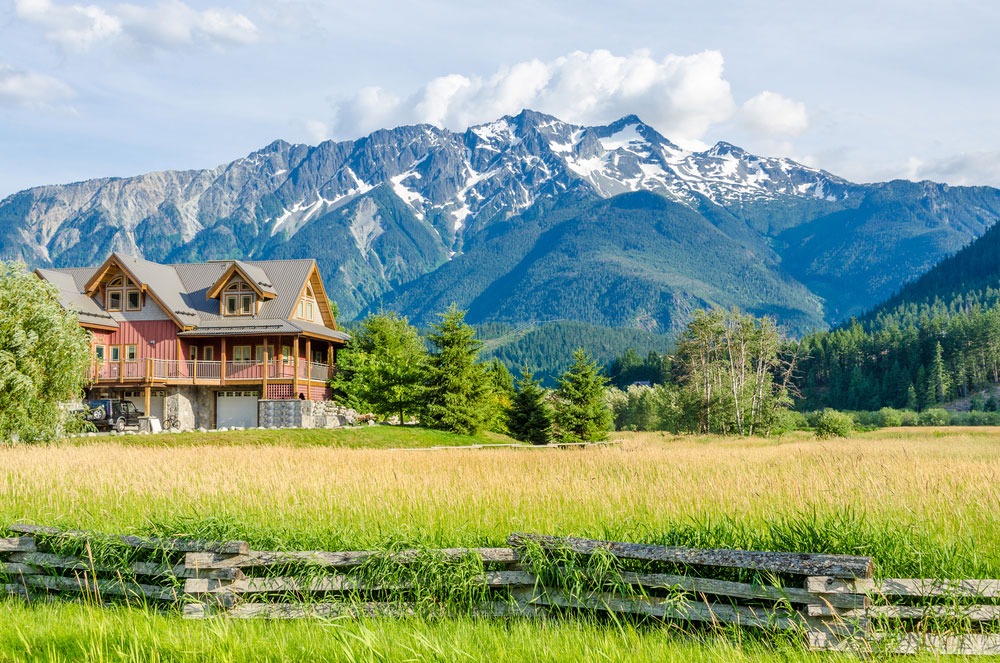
point(189, 407)
point(303, 414)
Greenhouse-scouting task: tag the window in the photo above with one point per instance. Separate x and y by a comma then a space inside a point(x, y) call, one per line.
point(309, 310)
point(208, 353)
point(259, 356)
point(130, 354)
point(302, 309)
point(116, 353)
point(133, 301)
point(241, 353)
point(114, 300)
point(193, 352)
point(239, 299)
point(286, 354)
point(318, 357)
point(99, 353)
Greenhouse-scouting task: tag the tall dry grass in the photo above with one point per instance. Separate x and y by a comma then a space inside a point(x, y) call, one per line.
point(920, 503)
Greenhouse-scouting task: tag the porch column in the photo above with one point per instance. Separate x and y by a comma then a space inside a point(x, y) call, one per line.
point(222, 366)
point(295, 372)
point(145, 397)
point(329, 360)
point(309, 394)
point(263, 382)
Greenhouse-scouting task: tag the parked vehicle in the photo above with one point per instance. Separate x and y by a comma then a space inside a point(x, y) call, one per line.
point(108, 413)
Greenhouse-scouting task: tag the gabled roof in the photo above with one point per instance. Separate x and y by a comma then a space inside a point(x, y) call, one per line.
point(256, 277)
point(181, 290)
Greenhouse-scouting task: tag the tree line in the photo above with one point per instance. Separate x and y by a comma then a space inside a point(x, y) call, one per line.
point(392, 371)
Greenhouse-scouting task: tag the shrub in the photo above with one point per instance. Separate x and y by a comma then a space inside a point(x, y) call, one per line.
point(888, 417)
point(908, 418)
point(830, 423)
point(788, 420)
point(935, 416)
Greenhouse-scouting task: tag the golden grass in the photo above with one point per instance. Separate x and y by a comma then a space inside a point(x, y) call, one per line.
point(941, 488)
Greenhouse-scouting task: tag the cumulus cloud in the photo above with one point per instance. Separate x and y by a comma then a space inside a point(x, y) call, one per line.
point(970, 168)
point(774, 115)
point(29, 89)
point(681, 95)
point(169, 24)
point(316, 130)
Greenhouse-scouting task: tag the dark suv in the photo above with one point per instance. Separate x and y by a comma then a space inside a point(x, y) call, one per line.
point(107, 413)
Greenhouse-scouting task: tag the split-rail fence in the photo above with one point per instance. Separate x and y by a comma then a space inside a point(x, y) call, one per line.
point(832, 600)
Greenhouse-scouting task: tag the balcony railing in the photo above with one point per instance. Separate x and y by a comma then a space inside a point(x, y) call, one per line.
point(208, 371)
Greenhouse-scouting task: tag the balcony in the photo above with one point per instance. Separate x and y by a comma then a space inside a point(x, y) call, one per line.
point(168, 371)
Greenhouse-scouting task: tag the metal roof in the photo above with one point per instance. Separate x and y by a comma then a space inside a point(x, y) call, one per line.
point(182, 288)
point(72, 298)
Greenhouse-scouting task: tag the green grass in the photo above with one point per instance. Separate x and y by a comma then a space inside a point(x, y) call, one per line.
point(363, 437)
point(70, 633)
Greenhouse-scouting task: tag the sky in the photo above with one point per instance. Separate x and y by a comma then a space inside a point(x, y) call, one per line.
point(867, 90)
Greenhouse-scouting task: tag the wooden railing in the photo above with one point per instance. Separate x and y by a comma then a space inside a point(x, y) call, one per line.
point(192, 371)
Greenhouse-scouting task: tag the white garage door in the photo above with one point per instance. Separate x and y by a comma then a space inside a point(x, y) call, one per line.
point(236, 408)
point(156, 405)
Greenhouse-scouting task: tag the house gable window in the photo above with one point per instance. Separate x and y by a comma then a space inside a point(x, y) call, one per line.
point(114, 295)
point(239, 299)
point(306, 309)
point(122, 294)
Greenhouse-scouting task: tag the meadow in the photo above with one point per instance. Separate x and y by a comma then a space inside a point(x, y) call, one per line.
point(921, 502)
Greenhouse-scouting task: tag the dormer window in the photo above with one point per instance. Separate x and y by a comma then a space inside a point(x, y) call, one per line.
point(239, 299)
point(114, 294)
point(122, 294)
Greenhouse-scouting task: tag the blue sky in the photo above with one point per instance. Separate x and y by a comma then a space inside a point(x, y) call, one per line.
point(867, 90)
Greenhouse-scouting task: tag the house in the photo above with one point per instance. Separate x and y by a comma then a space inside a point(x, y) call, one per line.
point(201, 344)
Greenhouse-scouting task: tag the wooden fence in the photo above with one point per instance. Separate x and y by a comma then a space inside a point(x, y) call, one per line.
point(831, 599)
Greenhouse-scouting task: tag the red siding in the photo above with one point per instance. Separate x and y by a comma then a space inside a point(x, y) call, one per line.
point(162, 333)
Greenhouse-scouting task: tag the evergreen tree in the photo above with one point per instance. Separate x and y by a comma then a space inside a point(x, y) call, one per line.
point(937, 377)
point(911, 398)
point(582, 413)
point(457, 388)
point(384, 368)
point(530, 417)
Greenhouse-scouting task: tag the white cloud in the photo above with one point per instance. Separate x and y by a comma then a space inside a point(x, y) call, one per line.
point(970, 168)
point(74, 27)
point(774, 115)
point(29, 89)
point(168, 24)
point(316, 130)
point(681, 95)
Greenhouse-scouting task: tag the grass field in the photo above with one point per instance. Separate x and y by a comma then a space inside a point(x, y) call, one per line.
point(922, 502)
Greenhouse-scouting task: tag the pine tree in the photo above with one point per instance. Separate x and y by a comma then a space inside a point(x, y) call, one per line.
point(530, 417)
point(911, 398)
point(501, 395)
point(457, 388)
point(582, 413)
point(937, 378)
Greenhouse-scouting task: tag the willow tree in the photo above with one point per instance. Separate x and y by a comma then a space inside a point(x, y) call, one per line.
point(44, 355)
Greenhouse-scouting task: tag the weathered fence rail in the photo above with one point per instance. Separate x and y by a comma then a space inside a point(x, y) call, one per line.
point(831, 599)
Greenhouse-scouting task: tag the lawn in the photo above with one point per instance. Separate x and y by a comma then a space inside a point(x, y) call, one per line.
point(922, 502)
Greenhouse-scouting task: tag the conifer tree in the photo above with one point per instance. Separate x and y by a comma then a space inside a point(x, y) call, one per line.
point(530, 417)
point(457, 391)
point(582, 413)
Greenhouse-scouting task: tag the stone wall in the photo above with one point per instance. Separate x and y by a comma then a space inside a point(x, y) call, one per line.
point(189, 407)
point(296, 413)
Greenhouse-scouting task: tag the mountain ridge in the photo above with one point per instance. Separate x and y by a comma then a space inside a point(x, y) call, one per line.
point(389, 217)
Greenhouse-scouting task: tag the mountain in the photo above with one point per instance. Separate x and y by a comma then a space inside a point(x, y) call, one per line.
point(527, 218)
point(967, 280)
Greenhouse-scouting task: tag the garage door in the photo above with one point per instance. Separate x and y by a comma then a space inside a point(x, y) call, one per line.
point(156, 405)
point(236, 408)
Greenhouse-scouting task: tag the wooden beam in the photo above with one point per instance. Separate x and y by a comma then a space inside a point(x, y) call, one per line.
point(263, 382)
point(309, 394)
point(146, 396)
point(222, 366)
point(295, 378)
point(145, 542)
point(807, 564)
